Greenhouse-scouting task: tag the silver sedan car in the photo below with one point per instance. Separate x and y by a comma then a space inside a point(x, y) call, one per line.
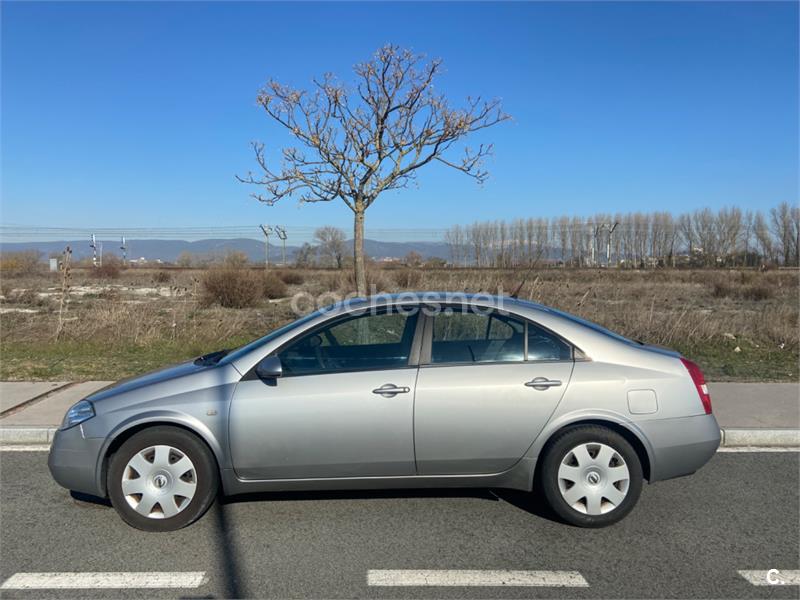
point(404, 391)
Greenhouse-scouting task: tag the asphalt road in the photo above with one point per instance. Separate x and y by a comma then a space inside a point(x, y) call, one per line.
point(687, 538)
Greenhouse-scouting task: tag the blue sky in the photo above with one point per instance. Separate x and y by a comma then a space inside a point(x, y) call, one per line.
point(140, 114)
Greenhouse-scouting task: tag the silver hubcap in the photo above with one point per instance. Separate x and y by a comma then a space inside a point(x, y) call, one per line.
point(159, 482)
point(593, 478)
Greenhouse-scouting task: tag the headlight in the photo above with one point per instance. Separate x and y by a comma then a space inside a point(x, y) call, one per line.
point(78, 413)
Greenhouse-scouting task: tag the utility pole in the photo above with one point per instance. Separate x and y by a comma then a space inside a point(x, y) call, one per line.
point(281, 232)
point(608, 247)
point(101, 254)
point(93, 246)
point(594, 242)
point(124, 249)
point(267, 230)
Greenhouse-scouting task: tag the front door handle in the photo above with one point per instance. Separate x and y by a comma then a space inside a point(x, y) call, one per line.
point(543, 383)
point(390, 389)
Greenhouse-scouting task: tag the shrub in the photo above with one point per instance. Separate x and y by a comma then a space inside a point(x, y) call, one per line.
point(273, 286)
point(376, 281)
point(111, 294)
point(757, 292)
point(722, 289)
point(162, 277)
point(21, 263)
point(434, 262)
point(408, 279)
point(235, 260)
point(109, 269)
point(27, 297)
point(291, 277)
point(231, 287)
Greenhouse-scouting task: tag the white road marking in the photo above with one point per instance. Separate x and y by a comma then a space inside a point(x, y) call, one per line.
point(413, 577)
point(758, 449)
point(85, 581)
point(24, 447)
point(772, 577)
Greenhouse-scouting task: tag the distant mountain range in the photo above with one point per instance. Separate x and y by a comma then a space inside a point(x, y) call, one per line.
point(169, 250)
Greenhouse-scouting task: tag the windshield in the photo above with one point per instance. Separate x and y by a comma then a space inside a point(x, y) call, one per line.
point(235, 355)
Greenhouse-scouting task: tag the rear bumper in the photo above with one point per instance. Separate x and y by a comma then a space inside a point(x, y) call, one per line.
point(680, 446)
point(73, 461)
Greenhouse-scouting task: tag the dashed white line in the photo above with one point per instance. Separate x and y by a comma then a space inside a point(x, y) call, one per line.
point(471, 578)
point(24, 448)
point(86, 581)
point(772, 577)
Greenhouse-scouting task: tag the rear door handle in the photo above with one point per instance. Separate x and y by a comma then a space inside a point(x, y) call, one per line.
point(390, 389)
point(543, 383)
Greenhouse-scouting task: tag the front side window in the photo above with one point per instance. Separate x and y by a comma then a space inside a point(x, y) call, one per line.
point(367, 342)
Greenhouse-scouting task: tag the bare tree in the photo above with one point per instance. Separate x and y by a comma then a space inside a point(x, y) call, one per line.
point(331, 243)
point(305, 256)
point(413, 259)
point(706, 235)
point(786, 229)
point(358, 143)
point(729, 231)
point(456, 241)
point(725, 237)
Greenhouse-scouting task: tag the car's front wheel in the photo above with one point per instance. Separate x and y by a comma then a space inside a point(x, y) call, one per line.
point(162, 478)
point(590, 475)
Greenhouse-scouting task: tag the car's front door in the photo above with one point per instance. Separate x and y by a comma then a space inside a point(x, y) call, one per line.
point(478, 408)
point(343, 406)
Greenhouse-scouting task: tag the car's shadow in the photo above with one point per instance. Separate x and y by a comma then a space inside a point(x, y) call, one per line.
point(526, 501)
point(90, 501)
point(231, 576)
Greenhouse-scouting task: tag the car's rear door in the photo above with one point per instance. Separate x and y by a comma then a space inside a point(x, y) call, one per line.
point(342, 408)
point(487, 384)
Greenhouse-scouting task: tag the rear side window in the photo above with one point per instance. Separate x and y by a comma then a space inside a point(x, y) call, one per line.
point(465, 337)
point(543, 345)
point(469, 337)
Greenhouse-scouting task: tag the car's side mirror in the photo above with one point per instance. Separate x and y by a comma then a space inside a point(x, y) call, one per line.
point(269, 368)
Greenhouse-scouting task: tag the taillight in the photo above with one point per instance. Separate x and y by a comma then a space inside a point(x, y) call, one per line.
point(699, 383)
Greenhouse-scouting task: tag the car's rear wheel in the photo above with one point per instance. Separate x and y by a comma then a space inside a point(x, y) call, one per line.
point(590, 475)
point(162, 478)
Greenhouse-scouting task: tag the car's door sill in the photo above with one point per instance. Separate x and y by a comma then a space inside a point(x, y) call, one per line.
point(520, 476)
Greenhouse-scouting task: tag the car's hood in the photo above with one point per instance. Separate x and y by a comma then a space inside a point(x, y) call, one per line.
point(139, 381)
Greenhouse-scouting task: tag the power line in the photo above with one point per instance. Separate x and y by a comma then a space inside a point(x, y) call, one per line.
point(299, 234)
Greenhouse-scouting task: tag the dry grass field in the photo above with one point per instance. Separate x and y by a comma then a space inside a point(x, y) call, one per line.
point(739, 325)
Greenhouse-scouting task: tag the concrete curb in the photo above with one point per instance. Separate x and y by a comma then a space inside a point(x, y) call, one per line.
point(731, 437)
point(26, 435)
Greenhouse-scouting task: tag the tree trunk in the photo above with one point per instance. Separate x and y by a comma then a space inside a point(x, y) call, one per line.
point(358, 253)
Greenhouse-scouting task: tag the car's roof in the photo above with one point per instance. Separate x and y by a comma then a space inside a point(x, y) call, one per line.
point(421, 297)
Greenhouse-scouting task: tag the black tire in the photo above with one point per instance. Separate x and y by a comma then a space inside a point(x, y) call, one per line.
point(206, 477)
point(559, 448)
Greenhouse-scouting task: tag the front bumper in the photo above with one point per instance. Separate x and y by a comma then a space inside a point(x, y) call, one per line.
point(682, 445)
point(74, 460)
